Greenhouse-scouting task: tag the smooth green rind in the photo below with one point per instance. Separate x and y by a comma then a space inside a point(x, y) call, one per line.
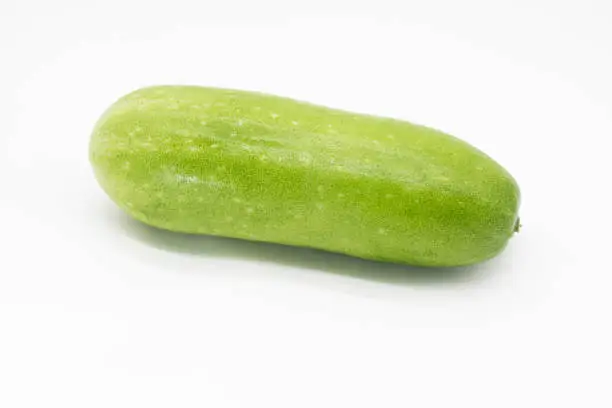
point(265, 168)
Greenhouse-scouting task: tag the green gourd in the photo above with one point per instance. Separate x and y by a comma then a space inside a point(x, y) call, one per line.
point(266, 168)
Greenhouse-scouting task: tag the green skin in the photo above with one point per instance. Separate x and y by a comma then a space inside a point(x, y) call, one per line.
point(265, 168)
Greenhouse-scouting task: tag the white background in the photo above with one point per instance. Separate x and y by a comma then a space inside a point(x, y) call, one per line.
point(99, 311)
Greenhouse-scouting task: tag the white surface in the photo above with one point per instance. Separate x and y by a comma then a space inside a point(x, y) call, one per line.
point(98, 311)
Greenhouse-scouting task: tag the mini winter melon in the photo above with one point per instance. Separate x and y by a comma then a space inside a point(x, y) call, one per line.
point(265, 168)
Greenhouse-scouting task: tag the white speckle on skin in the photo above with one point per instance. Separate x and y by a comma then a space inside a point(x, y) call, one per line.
point(390, 137)
point(305, 157)
point(214, 146)
point(233, 134)
point(236, 200)
point(249, 210)
point(181, 178)
point(340, 195)
point(479, 168)
point(295, 123)
point(376, 142)
point(126, 165)
point(159, 195)
point(274, 115)
point(214, 183)
point(245, 226)
point(193, 149)
point(129, 204)
point(239, 123)
point(320, 206)
point(200, 200)
point(203, 122)
point(173, 106)
point(320, 189)
point(382, 231)
point(263, 158)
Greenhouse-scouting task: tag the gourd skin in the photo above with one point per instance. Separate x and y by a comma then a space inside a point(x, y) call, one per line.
point(265, 168)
